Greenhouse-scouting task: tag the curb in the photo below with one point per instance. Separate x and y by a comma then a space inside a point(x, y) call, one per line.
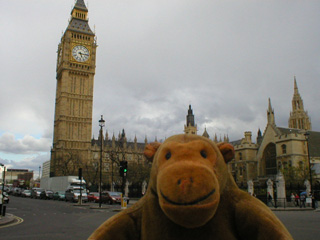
point(9, 218)
point(293, 209)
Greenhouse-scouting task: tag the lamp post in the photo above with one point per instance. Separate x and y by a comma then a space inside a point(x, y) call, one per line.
point(101, 124)
point(4, 177)
point(39, 172)
point(310, 175)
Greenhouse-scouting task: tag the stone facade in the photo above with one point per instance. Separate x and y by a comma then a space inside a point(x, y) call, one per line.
point(73, 146)
point(277, 148)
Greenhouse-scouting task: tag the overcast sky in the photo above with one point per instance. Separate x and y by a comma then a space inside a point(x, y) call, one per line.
point(225, 58)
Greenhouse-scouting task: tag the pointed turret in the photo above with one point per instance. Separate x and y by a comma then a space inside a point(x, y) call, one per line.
point(270, 114)
point(113, 141)
point(299, 118)
point(190, 127)
point(259, 137)
point(205, 133)
point(135, 144)
point(296, 91)
point(80, 5)
point(79, 19)
point(106, 136)
point(215, 138)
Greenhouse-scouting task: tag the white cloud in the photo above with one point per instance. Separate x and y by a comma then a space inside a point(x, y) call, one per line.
point(27, 145)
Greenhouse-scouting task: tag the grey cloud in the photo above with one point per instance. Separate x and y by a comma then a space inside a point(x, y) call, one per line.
point(225, 58)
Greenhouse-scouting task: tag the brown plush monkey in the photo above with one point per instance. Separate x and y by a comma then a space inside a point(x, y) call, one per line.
point(191, 195)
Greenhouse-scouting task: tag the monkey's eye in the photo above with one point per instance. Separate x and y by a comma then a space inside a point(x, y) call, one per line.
point(203, 154)
point(168, 155)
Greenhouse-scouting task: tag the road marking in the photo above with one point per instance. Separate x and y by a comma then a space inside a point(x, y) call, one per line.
point(17, 221)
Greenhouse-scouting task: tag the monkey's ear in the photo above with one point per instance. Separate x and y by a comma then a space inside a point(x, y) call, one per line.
point(227, 151)
point(150, 150)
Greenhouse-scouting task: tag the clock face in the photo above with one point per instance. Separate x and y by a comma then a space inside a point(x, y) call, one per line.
point(80, 53)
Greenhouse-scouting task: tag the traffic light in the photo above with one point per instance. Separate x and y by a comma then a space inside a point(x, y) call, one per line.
point(123, 168)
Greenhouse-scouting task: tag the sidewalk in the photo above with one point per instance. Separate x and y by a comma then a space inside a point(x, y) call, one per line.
point(9, 218)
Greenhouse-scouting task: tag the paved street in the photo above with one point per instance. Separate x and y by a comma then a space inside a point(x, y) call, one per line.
point(47, 219)
point(301, 224)
point(44, 219)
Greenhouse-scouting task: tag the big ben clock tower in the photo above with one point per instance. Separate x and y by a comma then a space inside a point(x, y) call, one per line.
point(76, 59)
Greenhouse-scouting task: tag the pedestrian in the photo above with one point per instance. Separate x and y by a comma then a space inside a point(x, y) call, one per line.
point(292, 197)
point(303, 201)
point(297, 200)
point(314, 201)
point(270, 200)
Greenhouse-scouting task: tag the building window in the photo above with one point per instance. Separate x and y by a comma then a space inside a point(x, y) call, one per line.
point(284, 149)
point(240, 156)
point(285, 165)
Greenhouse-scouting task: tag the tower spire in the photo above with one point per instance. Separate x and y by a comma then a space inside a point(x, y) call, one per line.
point(270, 113)
point(190, 127)
point(81, 5)
point(296, 91)
point(299, 118)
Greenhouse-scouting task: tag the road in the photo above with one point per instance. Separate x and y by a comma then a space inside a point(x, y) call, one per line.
point(52, 220)
point(47, 219)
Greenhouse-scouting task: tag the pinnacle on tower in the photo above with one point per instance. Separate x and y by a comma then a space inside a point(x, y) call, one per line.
point(270, 114)
point(190, 127)
point(299, 118)
point(81, 5)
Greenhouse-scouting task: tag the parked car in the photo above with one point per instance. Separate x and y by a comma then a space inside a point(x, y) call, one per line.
point(5, 197)
point(59, 196)
point(35, 192)
point(26, 193)
point(93, 197)
point(17, 191)
point(114, 197)
point(46, 194)
point(72, 194)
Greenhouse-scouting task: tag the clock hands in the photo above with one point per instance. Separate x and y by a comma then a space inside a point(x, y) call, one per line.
point(83, 54)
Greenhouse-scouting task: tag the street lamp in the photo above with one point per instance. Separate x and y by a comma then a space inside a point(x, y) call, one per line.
point(310, 175)
point(101, 124)
point(39, 172)
point(4, 177)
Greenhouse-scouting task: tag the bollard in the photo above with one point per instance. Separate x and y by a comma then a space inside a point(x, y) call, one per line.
point(0, 209)
point(123, 203)
point(4, 211)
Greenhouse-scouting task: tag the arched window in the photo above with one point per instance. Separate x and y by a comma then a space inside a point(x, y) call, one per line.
point(270, 156)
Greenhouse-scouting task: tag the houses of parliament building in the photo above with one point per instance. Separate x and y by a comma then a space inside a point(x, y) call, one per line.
point(73, 146)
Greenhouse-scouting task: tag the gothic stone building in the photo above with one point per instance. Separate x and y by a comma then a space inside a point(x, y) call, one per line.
point(275, 149)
